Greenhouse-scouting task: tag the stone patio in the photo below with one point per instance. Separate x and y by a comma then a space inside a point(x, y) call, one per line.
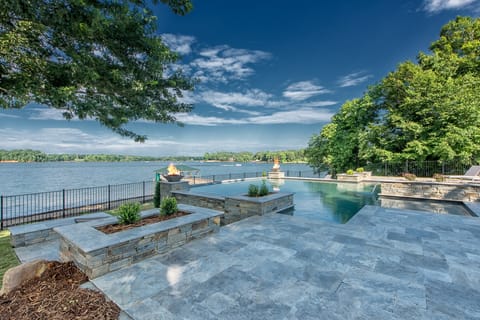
point(383, 264)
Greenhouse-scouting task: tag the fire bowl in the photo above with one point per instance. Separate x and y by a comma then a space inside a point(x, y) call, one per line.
point(173, 177)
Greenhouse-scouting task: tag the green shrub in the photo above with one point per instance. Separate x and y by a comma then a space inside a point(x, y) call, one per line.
point(168, 206)
point(156, 196)
point(252, 190)
point(350, 172)
point(129, 213)
point(360, 170)
point(263, 191)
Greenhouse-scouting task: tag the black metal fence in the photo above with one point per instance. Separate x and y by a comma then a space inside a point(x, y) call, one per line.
point(249, 175)
point(419, 168)
point(35, 207)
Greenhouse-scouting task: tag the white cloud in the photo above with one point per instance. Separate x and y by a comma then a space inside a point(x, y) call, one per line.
point(5, 115)
point(353, 79)
point(45, 113)
point(298, 116)
point(223, 64)
point(178, 43)
point(250, 98)
point(71, 140)
point(439, 5)
point(303, 90)
point(320, 103)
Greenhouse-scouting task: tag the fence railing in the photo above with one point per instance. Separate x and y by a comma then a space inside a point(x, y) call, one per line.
point(419, 168)
point(35, 207)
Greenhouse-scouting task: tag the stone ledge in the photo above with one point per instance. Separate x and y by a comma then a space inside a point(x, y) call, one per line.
point(27, 234)
point(96, 253)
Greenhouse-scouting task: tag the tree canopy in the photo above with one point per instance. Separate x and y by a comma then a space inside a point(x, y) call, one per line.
point(429, 110)
point(98, 59)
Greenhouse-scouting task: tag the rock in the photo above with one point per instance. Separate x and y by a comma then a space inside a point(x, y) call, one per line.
point(17, 275)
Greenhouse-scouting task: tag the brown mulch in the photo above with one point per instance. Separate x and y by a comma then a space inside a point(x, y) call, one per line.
point(112, 228)
point(56, 295)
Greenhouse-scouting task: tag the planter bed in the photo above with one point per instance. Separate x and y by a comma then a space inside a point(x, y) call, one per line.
point(97, 253)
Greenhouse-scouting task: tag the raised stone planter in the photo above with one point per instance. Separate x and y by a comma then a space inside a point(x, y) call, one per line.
point(96, 253)
point(350, 177)
point(241, 207)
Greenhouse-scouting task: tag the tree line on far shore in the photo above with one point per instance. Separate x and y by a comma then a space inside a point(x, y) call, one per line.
point(29, 155)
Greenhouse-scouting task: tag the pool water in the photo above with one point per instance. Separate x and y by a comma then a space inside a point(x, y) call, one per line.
point(335, 202)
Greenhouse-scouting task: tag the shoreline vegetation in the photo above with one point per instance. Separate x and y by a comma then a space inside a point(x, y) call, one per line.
point(28, 155)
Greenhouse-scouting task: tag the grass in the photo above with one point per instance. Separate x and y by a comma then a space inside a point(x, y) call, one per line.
point(8, 258)
point(145, 206)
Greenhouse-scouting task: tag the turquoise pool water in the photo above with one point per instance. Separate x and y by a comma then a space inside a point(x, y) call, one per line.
point(313, 200)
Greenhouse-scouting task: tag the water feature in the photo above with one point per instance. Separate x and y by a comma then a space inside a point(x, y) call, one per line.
point(336, 202)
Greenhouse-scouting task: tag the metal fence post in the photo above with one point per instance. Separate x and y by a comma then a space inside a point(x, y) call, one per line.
point(108, 197)
point(1, 212)
point(63, 203)
point(143, 191)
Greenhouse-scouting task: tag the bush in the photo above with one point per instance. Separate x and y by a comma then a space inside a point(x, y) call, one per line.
point(129, 213)
point(360, 170)
point(350, 172)
point(263, 190)
point(168, 206)
point(156, 196)
point(409, 176)
point(252, 190)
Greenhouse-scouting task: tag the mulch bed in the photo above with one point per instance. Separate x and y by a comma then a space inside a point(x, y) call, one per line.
point(112, 228)
point(57, 295)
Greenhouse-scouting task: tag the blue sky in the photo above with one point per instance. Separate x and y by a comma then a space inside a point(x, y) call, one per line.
point(272, 74)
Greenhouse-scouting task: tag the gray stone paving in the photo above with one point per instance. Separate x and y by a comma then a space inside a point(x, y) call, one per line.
point(383, 264)
point(47, 250)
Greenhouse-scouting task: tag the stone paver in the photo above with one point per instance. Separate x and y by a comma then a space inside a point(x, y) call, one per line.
point(383, 264)
point(47, 250)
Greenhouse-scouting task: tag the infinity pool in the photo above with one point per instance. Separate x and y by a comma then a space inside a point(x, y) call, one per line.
point(336, 202)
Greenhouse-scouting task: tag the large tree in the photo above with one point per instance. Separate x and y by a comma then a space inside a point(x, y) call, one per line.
point(429, 110)
point(99, 59)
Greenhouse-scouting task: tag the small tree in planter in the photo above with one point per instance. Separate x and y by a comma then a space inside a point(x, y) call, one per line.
point(156, 195)
point(129, 213)
point(252, 190)
point(168, 206)
point(350, 172)
point(263, 191)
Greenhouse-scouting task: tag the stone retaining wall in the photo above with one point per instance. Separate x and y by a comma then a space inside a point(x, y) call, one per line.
point(238, 207)
point(96, 253)
point(241, 207)
point(431, 190)
point(200, 200)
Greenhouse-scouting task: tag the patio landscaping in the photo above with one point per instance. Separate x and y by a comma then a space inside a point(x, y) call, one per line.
point(382, 264)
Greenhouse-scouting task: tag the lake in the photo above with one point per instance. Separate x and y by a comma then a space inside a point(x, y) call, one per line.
point(22, 178)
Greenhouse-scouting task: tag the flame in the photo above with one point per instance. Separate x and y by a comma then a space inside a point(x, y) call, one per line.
point(276, 163)
point(172, 170)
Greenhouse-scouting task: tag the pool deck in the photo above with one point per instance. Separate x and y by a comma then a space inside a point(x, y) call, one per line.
point(382, 264)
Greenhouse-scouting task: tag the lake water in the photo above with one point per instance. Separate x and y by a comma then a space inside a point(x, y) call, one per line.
point(22, 178)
